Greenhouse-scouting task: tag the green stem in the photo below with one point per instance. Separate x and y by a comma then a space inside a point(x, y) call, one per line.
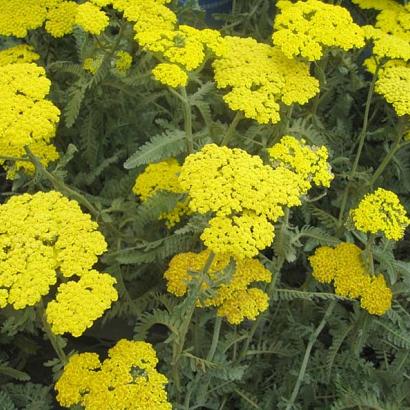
point(362, 138)
point(6, 158)
point(232, 128)
point(396, 147)
point(51, 336)
point(178, 347)
point(59, 185)
point(215, 339)
point(187, 121)
point(309, 347)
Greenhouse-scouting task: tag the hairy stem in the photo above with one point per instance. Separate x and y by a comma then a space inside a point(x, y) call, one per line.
point(59, 185)
point(309, 347)
point(215, 338)
point(362, 138)
point(50, 335)
point(187, 121)
point(232, 128)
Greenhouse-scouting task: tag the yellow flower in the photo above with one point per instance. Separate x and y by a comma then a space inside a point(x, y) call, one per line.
point(260, 77)
point(123, 61)
point(22, 53)
point(324, 264)
point(182, 46)
point(242, 236)
point(226, 181)
point(351, 273)
point(61, 19)
point(394, 84)
point(171, 75)
point(345, 266)
point(162, 176)
point(17, 17)
point(91, 19)
point(305, 28)
point(231, 293)
point(92, 64)
point(387, 45)
point(26, 117)
point(245, 195)
point(377, 297)
point(42, 236)
point(79, 304)
point(126, 379)
point(381, 212)
point(244, 304)
point(309, 162)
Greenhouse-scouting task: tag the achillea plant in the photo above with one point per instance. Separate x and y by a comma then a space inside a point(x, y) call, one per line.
point(204, 211)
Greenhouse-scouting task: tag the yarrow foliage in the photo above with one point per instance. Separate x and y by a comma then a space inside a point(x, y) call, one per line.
point(126, 379)
point(162, 176)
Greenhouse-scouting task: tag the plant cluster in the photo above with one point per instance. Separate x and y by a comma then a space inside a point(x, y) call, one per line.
point(204, 212)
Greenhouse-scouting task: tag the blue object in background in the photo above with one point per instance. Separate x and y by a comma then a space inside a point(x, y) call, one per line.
point(214, 6)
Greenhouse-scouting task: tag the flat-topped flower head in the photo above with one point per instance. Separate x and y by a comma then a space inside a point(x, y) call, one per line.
point(42, 237)
point(22, 53)
point(307, 28)
point(91, 18)
point(308, 161)
point(233, 296)
point(260, 77)
point(170, 74)
point(226, 181)
point(26, 117)
point(381, 212)
point(345, 267)
point(78, 304)
point(126, 379)
point(394, 84)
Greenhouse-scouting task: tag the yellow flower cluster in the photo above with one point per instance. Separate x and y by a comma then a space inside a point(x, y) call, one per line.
point(394, 84)
point(391, 38)
point(381, 212)
point(344, 266)
point(91, 64)
point(22, 53)
point(386, 45)
point(171, 75)
point(79, 304)
point(260, 78)
point(60, 17)
point(232, 296)
point(91, 19)
point(309, 162)
point(244, 195)
point(162, 176)
point(44, 237)
point(127, 379)
point(123, 61)
point(305, 28)
point(26, 117)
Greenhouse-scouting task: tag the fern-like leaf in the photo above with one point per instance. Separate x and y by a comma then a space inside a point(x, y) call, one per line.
point(165, 145)
point(76, 94)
